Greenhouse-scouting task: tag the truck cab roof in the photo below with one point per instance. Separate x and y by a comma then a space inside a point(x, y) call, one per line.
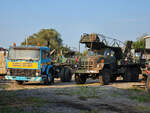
point(31, 47)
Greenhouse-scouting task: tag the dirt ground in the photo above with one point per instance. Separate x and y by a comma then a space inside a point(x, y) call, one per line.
point(118, 97)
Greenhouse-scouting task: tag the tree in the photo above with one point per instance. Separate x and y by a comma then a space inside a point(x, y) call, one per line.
point(140, 42)
point(43, 36)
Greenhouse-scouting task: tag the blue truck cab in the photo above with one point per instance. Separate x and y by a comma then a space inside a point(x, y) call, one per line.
point(29, 63)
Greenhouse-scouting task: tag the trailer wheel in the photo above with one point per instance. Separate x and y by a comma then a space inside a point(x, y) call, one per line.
point(127, 75)
point(19, 82)
point(68, 74)
point(62, 75)
point(80, 79)
point(105, 76)
point(148, 84)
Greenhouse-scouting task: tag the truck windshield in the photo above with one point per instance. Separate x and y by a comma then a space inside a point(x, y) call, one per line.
point(95, 53)
point(24, 54)
point(109, 52)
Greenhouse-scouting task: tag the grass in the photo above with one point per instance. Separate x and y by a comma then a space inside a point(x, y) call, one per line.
point(139, 95)
point(7, 97)
point(12, 102)
point(34, 101)
point(4, 86)
point(143, 109)
point(82, 92)
point(93, 111)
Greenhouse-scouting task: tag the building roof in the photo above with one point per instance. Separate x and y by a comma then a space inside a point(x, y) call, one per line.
point(2, 49)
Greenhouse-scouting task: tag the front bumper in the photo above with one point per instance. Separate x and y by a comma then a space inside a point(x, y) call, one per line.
point(22, 78)
point(87, 71)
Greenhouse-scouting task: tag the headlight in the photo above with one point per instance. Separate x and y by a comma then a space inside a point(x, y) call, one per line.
point(38, 73)
point(75, 65)
point(8, 71)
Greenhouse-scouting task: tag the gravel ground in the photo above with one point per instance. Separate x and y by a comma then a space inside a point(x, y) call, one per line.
point(119, 97)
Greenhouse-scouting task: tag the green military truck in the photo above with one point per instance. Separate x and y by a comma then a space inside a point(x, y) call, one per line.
point(105, 60)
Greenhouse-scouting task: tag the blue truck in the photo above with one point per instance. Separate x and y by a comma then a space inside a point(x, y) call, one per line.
point(33, 63)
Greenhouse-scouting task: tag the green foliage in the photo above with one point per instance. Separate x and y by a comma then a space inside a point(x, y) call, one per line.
point(43, 36)
point(140, 42)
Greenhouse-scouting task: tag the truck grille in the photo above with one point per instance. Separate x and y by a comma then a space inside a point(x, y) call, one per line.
point(87, 64)
point(23, 72)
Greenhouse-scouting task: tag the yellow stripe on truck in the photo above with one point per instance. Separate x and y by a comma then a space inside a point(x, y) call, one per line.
point(23, 65)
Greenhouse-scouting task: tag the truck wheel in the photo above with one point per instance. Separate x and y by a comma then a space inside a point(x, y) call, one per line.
point(135, 74)
point(68, 74)
point(80, 79)
point(50, 80)
point(62, 75)
point(105, 76)
point(127, 75)
point(19, 82)
point(148, 84)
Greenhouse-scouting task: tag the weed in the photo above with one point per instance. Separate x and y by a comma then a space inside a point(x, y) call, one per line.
point(143, 108)
point(93, 111)
point(139, 95)
point(85, 92)
point(4, 86)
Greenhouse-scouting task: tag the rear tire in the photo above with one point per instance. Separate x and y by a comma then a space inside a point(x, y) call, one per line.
point(148, 84)
point(127, 75)
point(62, 75)
point(80, 79)
point(135, 74)
point(68, 74)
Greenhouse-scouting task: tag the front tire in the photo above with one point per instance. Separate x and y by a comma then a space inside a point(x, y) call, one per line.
point(105, 76)
point(68, 75)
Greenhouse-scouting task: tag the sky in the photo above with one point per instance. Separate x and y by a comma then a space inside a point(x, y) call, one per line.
point(120, 19)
